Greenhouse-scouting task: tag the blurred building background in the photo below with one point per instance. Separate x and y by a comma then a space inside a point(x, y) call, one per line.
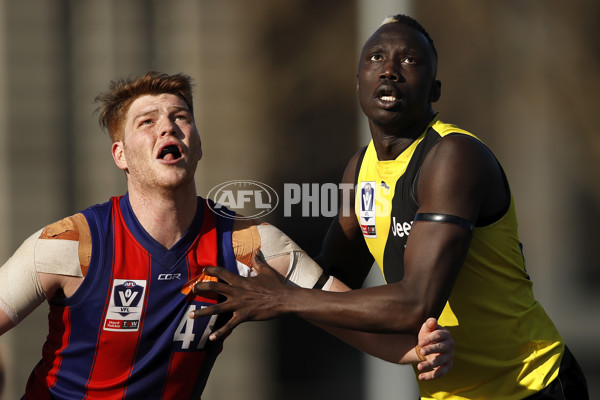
point(275, 102)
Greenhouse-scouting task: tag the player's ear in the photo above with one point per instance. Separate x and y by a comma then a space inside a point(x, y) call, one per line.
point(436, 91)
point(119, 155)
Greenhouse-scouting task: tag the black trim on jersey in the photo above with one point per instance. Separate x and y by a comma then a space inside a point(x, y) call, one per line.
point(446, 218)
point(359, 164)
point(413, 185)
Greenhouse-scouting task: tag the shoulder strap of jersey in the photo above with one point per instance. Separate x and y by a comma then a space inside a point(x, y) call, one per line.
point(359, 164)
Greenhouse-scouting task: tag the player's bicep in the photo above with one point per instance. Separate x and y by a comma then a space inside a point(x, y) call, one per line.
point(450, 195)
point(279, 251)
point(20, 287)
point(456, 177)
point(49, 260)
point(6, 322)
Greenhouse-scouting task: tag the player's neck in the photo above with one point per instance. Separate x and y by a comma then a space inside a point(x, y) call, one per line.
point(391, 141)
point(390, 147)
point(166, 216)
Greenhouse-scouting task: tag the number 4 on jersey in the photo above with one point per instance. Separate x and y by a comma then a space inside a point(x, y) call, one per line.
point(185, 330)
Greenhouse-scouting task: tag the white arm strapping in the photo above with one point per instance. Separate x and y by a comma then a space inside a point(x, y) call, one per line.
point(20, 287)
point(302, 270)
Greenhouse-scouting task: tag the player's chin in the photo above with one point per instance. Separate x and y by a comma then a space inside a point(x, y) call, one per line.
point(176, 178)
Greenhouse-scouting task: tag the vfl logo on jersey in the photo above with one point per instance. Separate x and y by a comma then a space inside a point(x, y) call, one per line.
point(367, 209)
point(126, 305)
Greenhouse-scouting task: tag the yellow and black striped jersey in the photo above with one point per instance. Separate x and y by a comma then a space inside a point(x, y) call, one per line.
point(506, 346)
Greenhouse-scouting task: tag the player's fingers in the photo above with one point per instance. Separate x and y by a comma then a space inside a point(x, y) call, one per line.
point(433, 374)
point(426, 376)
point(442, 358)
point(436, 342)
point(221, 273)
point(434, 359)
point(259, 263)
point(211, 287)
point(432, 324)
point(434, 368)
point(427, 365)
point(208, 311)
point(440, 371)
point(427, 330)
point(442, 346)
point(225, 330)
point(437, 360)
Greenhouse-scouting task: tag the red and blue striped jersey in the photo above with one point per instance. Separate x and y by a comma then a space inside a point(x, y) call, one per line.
point(125, 333)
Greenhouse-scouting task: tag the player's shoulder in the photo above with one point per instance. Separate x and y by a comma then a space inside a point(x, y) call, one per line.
point(245, 238)
point(467, 149)
point(463, 164)
point(453, 138)
point(69, 238)
point(69, 228)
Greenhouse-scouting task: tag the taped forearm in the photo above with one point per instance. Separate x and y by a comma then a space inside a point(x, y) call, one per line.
point(301, 270)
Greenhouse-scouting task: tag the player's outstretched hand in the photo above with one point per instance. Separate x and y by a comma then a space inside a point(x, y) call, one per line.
point(437, 347)
point(249, 299)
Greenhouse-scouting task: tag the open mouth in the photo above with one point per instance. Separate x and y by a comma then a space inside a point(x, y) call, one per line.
point(387, 93)
point(387, 96)
point(170, 153)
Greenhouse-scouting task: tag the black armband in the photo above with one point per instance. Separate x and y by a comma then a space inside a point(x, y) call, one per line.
point(321, 281)
point(447, 218)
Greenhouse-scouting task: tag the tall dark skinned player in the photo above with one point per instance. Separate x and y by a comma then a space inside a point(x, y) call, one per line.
point(433, 208)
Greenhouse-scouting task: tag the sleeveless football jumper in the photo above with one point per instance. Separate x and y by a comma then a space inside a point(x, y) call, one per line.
point(125, 333)
point(506, 347)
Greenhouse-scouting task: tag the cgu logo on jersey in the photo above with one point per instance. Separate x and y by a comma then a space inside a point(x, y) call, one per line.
point(126, 305)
